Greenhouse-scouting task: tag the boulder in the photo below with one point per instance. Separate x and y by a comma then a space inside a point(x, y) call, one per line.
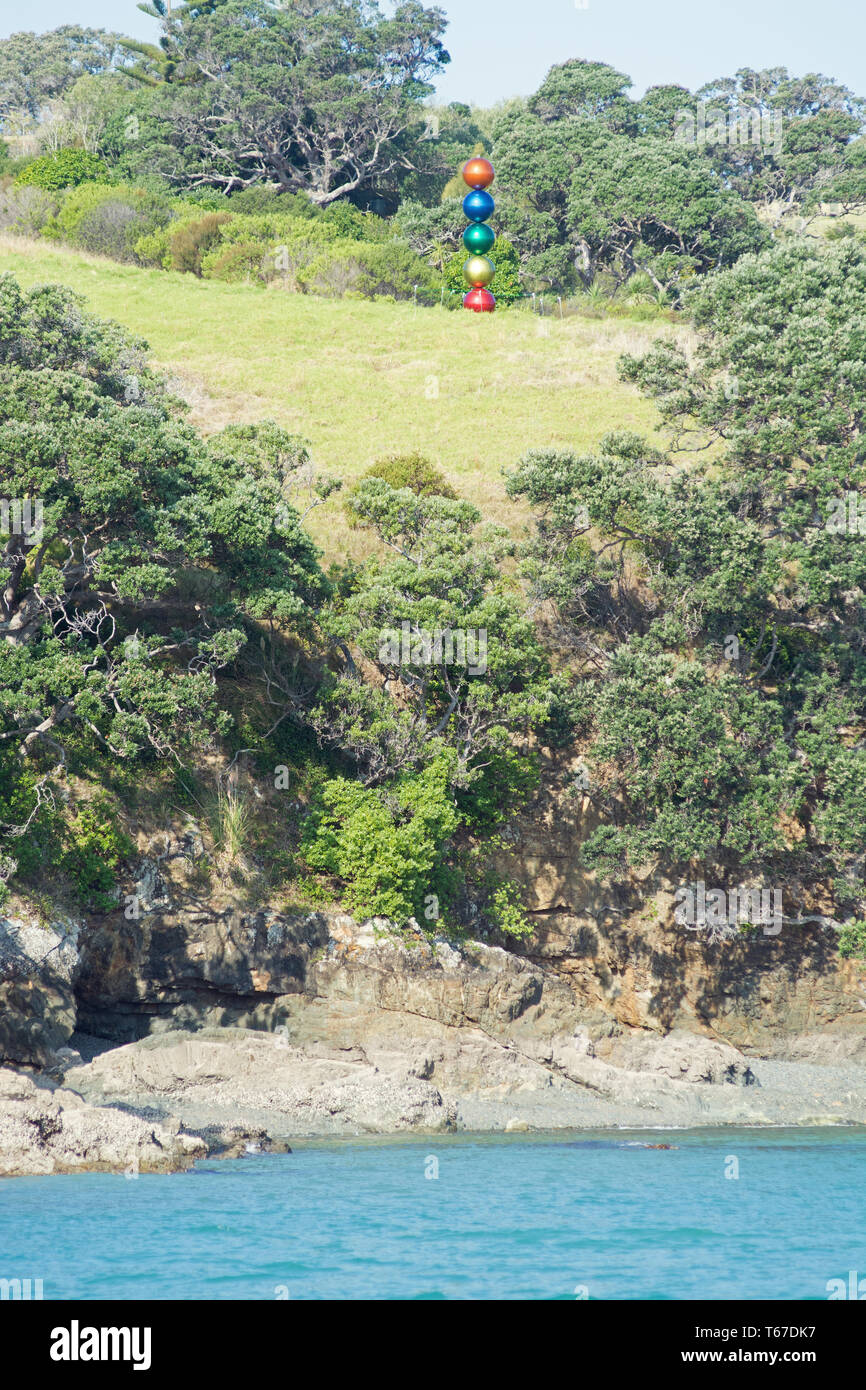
point(46, 1129)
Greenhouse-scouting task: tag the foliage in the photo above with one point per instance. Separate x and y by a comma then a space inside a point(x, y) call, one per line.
point(785, 143)
point(506, 284)
point(191, 241)
point(63, 169)
point(38, 68)
point(109, 219)
point(606, 201)
point(27, 210)
point(97, 848)
point(413, 471)
point(315, 99)
point(386, 845)
point(852, 940)
point(458, 661)
point(717, 607)
point(385, 270)
point(153, 553)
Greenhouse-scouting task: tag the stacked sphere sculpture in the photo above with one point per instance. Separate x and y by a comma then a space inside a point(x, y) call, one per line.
point(478, 238)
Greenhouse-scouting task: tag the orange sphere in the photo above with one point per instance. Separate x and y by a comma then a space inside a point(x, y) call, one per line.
point(478, 172)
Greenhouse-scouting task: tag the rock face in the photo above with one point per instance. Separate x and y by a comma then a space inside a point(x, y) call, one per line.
point(38, 970)
point(228, 1028)
point(389, 1037)
point(171, 969)
point(191, 967)
point(757, 993)
point(44, 1129)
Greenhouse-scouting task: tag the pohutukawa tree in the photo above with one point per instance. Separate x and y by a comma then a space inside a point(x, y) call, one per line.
point(715, 597)
point(151, 555)
point(314, 98)
point(451, 658)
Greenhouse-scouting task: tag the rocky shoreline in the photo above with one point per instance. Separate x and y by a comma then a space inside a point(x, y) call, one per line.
point(249, 1034)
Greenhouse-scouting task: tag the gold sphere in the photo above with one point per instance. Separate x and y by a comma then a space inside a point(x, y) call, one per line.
point(478, 271)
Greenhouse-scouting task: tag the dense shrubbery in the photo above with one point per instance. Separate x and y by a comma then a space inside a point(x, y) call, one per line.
point(708, 620)
point(719, 616)
point(134, 504)
point(63, 169)
point(386, 845)
point(162, 561)
point(340, 251)
point(108, 219)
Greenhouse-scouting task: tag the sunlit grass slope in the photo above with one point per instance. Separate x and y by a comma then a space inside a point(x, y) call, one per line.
point(360, 379)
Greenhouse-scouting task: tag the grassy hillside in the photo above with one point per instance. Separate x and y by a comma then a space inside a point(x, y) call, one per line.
point(361, 379)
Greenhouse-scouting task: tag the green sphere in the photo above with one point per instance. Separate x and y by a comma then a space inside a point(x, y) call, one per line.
point(478, 238)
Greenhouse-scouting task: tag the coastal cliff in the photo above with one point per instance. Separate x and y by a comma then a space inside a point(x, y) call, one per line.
point(198, 1027)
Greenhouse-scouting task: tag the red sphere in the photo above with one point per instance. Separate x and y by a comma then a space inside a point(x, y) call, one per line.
point(481, 300)
point(478, 172)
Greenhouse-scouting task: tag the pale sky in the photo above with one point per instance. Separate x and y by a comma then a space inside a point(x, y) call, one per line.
point(502, 48)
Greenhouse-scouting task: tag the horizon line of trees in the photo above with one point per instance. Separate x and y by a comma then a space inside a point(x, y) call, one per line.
point(330, 100)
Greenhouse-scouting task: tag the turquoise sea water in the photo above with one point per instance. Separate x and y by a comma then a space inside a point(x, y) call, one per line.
point(516, 1216)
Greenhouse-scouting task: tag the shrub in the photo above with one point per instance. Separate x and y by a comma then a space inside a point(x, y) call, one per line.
point(97, 847)
point(352, 224)
point(413, 471)
point(153, 248)
point(852, 940)
point(404, 470)
point(191, 241)
point(110, 230)
point(26, 210)
point(275, 249)
point(386, 270)
point(255, 201)
point(386, 844)
point(109, 219)
point(506, 285)
point(506, 911)
point(63, 169)
point(240, 260)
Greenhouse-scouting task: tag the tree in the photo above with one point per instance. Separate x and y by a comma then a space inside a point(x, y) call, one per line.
point(315, 99)
point(436, 149)
point(584, 90)
point(714, 596)
point(660, 110)
point(163, 62)
point(37, 68)
point(455, 658)
point(641, 205)
point(136, 560)
point(603, 201)
point(784, 142)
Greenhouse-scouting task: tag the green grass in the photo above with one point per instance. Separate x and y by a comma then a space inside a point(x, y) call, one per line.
point(360, 379)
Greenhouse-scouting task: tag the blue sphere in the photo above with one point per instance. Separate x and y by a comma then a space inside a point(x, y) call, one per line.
point(478, 205)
